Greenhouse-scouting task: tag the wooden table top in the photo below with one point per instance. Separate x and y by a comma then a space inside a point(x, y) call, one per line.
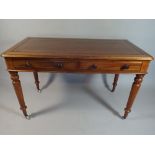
point(77, 49)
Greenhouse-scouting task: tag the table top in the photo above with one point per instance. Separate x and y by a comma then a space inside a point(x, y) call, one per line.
point(108, 49)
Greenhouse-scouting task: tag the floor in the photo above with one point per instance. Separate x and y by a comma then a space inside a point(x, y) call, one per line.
point(75, 104)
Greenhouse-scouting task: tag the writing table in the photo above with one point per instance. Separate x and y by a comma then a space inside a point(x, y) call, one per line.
point(76, 56)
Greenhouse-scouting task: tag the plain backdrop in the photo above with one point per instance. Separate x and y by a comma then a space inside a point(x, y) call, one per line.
point(58, 86)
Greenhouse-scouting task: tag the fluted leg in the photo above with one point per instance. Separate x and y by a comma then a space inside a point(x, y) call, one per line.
point(134, 90)
point(115, 82)
point(18, 89)
point(36, 80)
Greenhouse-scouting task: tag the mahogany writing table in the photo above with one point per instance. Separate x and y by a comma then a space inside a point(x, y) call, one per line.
point(76, 56)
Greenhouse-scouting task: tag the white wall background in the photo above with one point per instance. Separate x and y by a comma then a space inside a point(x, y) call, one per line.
point(140, 32)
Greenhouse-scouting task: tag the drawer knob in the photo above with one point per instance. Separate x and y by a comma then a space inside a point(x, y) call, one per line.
point(58, 65)
point(126, 66)
point(28, 64)
point(93, 67)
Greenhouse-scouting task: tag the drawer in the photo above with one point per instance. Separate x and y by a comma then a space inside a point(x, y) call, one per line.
point(44, 64)
point(83, 66)
point(111, 66)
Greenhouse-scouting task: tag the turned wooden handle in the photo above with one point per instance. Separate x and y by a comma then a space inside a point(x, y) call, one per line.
point(125, 66)
point(27, 64)
point(58, 64)
point(93, 67)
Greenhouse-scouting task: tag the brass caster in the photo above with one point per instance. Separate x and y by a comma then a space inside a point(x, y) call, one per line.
point(28, 117)
point(123, 118)
point(112, 90)
point(39, 91)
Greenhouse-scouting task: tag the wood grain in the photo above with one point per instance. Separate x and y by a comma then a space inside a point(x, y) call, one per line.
point(36, 78)
point(79, 66)
point(18, 90)
point(115, 82)
point(77, 49)
point(134, 90)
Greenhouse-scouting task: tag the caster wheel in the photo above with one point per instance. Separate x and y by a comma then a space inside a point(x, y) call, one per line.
point(39, 91)
point(123, 118)
point(28, 117)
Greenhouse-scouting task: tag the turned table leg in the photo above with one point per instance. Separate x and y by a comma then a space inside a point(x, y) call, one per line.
point(18, 89)
point(134, 90)
point(36, 81)
point(115, 82)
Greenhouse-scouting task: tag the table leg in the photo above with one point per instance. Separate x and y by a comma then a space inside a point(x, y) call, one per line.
point(18, 89)
point(115, 82)
point(36, 80)
point(134, 90)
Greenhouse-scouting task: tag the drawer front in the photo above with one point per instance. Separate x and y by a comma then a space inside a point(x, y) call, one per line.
point(44, 64)
point(83, 66)
point(111, 66)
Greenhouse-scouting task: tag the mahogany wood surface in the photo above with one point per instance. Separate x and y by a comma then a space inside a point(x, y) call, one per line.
point(77, 49)
point(18, 90)
point(76, 56)
point(115, 82)
point(36, 80)
point(134, 90)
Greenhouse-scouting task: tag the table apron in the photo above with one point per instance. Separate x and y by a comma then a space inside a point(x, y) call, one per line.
point(76, 66)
